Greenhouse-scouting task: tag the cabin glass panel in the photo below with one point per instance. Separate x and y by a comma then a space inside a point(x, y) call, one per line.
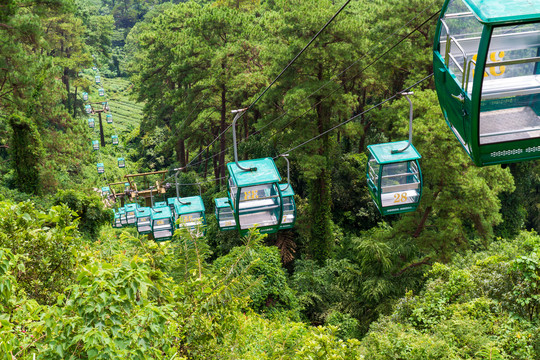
point(400, 184)
point(162, 228)
point(259, 205)
point(226, 217)
point(459, 41)
point(232, 189)
point(288, 210)
point(510, 105)
point(191, 219)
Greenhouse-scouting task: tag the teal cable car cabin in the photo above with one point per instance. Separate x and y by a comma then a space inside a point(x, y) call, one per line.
point(95, 144)
point(289, 207)
point(144, 220)
point(162, 222)
point(122, 215)
point(394, 178)
point(117, 223)
point(121, 162)
point(224, 214)
point(189, 213)
point(131, 210)
point(101, 92)
point(114, 139)
point(88, 109)
point(255, 195)
point(91, 122)
point(100, 168)
point(486, 60)
point(98, 79)
point(109, 119)
point(85, 96)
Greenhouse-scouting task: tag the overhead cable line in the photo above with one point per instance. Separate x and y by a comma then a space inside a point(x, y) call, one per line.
point(282, 72)
point(356, 116)
point(329, 81)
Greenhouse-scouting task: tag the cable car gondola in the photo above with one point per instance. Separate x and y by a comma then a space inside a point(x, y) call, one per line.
point(114, 139)
point(98, 79)
point(91, 123)
point(486, 60)
point(105, 191)
point(108, 118)
point(131, 210)
point(121, 162)
point(253, 192)
point(116, 223)
point(100, 168)
point(95, 144)
point(162, 222)
point(85, 96)
point(88, 108)
point(188, 212)
point(101, 92)
point(393, 174)
point(144, 220)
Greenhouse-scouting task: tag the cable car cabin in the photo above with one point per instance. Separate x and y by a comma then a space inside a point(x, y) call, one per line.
point(91, 123)
point(131, 217)
point(162, 222)
point(289, 207)
point(88, 108)
point(85, 96)
point(122, 215)
point(144, 220)
point(101, 92)
point(254, 196)
point(94, 68)
point(394, 180)
point(95, 144)
point(105, 190)
point(189, 213)
point(121, 163)
point(224, 214)
point(108, 118)
point(100, 168)
point(114, 139)
point(98, 79)
point(487, 74)
point(117, 223)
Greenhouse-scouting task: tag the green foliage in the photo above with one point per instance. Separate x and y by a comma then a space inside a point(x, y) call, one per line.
point(272, 295)
point(482, 307)
point(89, 208)
point(27, 153)
point(46, 244)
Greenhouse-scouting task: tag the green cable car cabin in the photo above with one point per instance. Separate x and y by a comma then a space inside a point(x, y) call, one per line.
point(101, 92)
point(121, 162)
point(131, 211)
point(117, 223)
point(100, 168)
point(224, 214)
point(95, 144)
point(255, 196)
point(144, 220)
point(105, 191)
point(114, 139)
point(394, 178)
point(486, 60)
point(88, 109)
point(189, 213)
point(122, 215)
point(162, 222)
point(98, 79)
point(85, 96)
point(108, 118)
point(91, 123)
point(289, 207)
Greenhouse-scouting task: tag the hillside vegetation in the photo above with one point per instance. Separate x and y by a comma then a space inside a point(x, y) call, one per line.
point(459, 278)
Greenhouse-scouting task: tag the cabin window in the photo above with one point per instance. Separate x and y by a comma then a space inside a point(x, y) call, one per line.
point(259, 205)
point(459, 41)
point(510, 103)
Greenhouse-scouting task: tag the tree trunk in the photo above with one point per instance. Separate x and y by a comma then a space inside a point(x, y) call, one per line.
point(181, 152)
point(75, 103)
point(222, 140)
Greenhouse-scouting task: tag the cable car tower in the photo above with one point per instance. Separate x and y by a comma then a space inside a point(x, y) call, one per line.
point(486, 60)
point(393, 174)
